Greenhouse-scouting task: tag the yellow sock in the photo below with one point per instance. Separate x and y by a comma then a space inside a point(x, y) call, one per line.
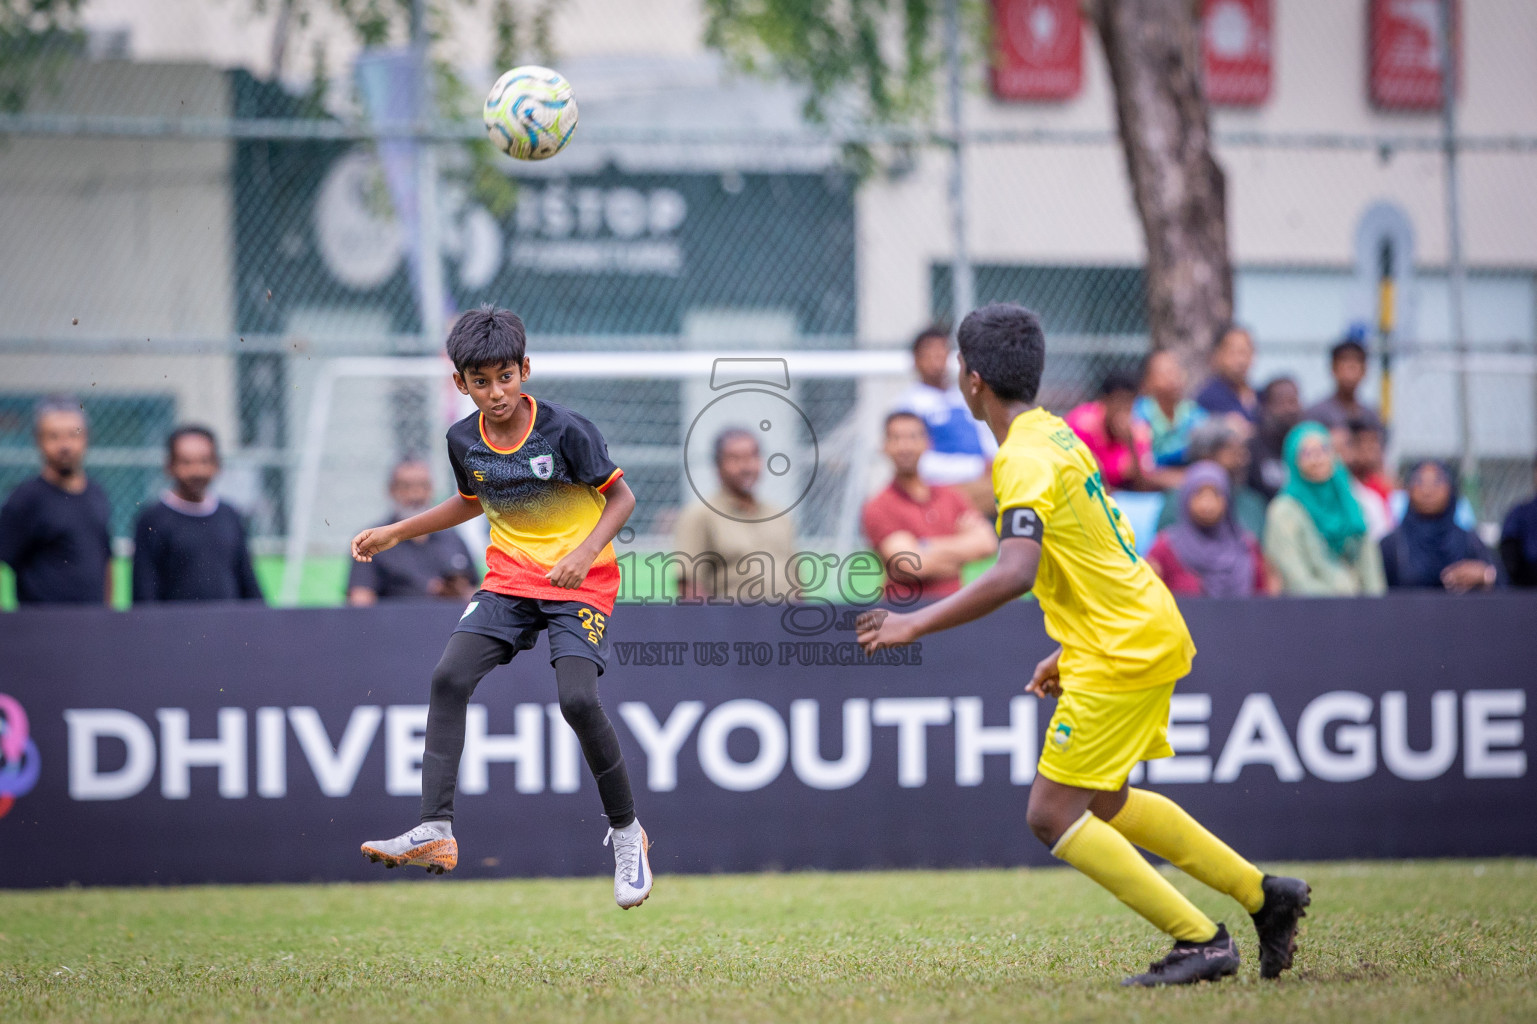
point(1103, 854)
point(1161, 826)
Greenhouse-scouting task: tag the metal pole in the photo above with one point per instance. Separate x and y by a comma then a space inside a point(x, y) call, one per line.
point(414, 403)
point(1387, 321)
point(962, 296)
point(433, 293)
point(1455, 273)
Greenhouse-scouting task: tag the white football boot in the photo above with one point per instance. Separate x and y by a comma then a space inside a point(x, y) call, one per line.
point(430, 845)
point(632, 866)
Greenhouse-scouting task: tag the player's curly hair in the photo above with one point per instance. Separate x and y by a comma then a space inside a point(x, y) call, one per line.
point(1004, 344)
point(486, 337)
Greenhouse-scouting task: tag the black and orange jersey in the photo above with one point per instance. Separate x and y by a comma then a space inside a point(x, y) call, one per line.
point(542, 497)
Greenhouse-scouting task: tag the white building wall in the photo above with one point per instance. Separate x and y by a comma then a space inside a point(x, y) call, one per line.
point(1293, 210)
point(234, 33)
point(120, 240)
point(1288, 207)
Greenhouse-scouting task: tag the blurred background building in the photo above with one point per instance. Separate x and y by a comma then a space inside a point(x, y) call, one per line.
point(204, 204)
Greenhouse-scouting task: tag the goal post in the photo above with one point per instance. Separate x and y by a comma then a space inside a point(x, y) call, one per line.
point(644, 401)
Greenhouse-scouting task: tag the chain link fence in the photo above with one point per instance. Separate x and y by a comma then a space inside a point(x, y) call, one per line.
point(188, 243)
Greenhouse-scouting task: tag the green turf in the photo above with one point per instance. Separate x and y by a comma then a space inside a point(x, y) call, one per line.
point(1397, 942)
point(323, 582)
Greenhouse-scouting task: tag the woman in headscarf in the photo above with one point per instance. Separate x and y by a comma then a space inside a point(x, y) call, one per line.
point(1205, 552)
point(1429, 549)
point(1315, 533)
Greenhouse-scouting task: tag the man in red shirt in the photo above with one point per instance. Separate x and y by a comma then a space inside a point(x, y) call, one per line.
point(1120, 443)
point(923, 532)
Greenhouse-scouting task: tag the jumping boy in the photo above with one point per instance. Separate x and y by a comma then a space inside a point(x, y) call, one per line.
point(1123, 645)
point(542, 476)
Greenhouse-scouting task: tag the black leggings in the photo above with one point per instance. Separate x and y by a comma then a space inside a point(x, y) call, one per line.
point(466, 660)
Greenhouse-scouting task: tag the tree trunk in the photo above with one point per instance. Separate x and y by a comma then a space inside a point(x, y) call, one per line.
point(1153, 48)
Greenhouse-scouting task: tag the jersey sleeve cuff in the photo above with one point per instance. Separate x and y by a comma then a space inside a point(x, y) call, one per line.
point(605, 485)
point(468, 497)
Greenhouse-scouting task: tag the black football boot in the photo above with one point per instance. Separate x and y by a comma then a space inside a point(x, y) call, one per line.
point(1190, 962)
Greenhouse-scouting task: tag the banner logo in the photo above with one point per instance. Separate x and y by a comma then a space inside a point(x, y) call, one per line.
point(19, 763)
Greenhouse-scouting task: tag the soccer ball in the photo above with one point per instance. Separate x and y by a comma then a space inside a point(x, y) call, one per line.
point(530, 113)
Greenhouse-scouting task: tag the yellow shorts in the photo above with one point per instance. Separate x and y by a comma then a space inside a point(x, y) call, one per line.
point(1095, 739)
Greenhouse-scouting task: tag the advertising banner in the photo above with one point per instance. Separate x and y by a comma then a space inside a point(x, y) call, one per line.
point(607, 251)
point(1406, 53)
point(232, 744)
point(1038, 49)
point(1236, 49)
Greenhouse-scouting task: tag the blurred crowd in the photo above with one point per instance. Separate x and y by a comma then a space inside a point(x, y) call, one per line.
point(1230, 490)
point(188, 543)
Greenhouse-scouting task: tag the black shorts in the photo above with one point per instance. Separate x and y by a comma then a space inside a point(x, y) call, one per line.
point(575, 629)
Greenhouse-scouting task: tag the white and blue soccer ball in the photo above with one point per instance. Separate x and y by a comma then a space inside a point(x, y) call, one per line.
point(530, 113)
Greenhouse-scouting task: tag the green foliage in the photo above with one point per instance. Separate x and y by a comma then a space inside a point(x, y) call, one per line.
point(1398, 943)
point(377, 22)
point(524, 37)
point(882, 54)
point(523, 32)
point(873, 61)
point(36, 38)
point(479, 164)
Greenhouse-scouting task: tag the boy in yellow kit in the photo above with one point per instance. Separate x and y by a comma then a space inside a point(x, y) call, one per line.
point(1124, 645)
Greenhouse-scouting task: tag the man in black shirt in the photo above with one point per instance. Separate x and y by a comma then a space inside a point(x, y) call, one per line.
point(1280, 409)
point(189, 545)
point(434, 565)
point(54, 528)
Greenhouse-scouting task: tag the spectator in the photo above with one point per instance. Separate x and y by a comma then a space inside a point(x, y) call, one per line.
point(189, 545)
point(718, 543)
point(432, 565)
point(1315, 534)
point(1206, 553)
point(1165, 409)
point(923, 532)
point(1280, 410)
point(1227, 391)
point(54, 528)
point(1217, 441)
point(1518, 542)
point(1365, 460)
point(1347, 362)
point(1360, 445)
point(960, 448)
point(1120, 443)
point(1429, 549)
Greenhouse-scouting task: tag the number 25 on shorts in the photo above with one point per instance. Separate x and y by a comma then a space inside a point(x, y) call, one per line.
point(593, 622)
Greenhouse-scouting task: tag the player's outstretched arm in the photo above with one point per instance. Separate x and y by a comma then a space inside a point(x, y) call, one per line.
point(1007, 579)
point(571, 570)
point(457, 509)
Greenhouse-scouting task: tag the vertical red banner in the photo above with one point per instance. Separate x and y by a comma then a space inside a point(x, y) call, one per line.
point(1038, 49)
point(1406, 53)
point(1236, 51)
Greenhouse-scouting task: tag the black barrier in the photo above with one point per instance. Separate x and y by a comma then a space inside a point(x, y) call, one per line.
point(232, 744)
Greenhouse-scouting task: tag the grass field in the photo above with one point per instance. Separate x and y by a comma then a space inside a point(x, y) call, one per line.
point(1400, 942)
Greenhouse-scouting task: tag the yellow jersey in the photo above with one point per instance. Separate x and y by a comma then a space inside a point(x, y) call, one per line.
point(1117, 623)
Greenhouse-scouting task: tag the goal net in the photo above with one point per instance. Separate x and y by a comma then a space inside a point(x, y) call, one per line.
point(817, 414)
